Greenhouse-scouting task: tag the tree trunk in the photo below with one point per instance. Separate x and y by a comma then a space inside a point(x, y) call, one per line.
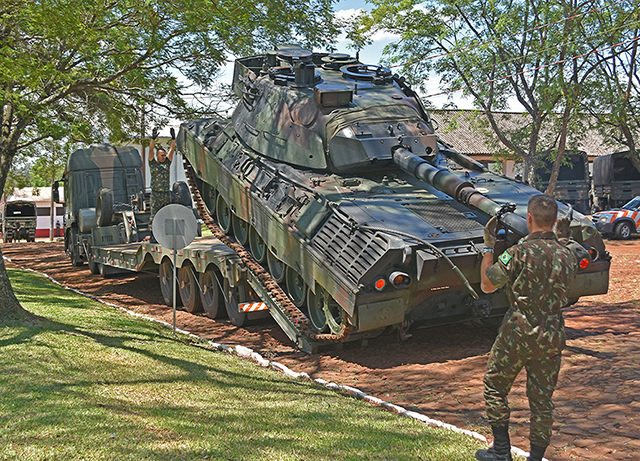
point(562, 145)
point(10, 307)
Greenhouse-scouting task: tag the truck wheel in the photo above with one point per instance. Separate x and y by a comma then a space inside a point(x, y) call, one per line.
point(623, 230)
point(232, 298)
point(183, 194)
point(104, 207)
point(189, 291)
point(76, 260)
point(165, 274)
point(223, 214)
point(93, 267)
point(210, 294)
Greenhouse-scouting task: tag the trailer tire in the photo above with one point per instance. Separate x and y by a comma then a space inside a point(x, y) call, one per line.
point(232, 295)
point(104, 207)
point(165, 273)
point(189, 291)
point(210, 294)
point(183, 194)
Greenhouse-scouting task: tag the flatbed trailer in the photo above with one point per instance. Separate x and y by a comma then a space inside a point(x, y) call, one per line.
point(207, 270)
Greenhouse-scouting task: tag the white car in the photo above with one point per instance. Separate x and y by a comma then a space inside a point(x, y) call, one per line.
point(621, 222)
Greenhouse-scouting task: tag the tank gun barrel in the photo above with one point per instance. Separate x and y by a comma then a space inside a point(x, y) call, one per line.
point(460, 190)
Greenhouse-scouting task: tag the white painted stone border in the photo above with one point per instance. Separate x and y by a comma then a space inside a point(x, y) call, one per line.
point(247, 353)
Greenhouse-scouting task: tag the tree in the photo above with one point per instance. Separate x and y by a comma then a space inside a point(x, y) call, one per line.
point(614, 99)
point(533, 51)
point(94, 69)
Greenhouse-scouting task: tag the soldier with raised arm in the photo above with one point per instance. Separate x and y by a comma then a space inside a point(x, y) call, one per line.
point(159, 166)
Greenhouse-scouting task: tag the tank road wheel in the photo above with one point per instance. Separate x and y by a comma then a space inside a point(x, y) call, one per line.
point(232, 298)
point(623, 230)
point(223, 214)
point(324, 311)
point(104, 207)
point(296, 287)
point(257, 246)
point(189, 291)
point(165, 274)
point(276, 267)
point(210, 294)
point(209, 198)
point(240, 230)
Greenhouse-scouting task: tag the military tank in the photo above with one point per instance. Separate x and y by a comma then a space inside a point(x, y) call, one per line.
point(331, 175)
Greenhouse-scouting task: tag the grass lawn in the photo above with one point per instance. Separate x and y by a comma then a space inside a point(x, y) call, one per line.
point(91, 383)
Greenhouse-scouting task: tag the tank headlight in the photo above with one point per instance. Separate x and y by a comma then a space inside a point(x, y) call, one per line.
point(399, 279)
point(380, 284)
point(584, 263)
point(593, 253)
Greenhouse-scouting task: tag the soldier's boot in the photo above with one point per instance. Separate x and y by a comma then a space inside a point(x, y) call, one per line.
point(501, 448)
point(537, 453)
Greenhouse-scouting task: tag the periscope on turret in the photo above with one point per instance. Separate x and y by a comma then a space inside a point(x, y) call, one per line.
point(331, 172)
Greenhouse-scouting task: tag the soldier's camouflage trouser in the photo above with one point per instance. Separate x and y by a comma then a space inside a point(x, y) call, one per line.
point(158, 200)
point(505, 362)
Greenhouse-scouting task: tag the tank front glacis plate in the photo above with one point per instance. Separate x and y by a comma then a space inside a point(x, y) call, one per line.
point(317, 181)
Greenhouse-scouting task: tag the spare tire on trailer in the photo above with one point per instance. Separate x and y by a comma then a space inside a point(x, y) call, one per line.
point(104, 207)
point(182, 192)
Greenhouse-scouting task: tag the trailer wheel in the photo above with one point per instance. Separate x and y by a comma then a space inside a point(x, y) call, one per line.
point(104, 207)
point(189, 291)
point(210, 294)
point(240, 230)
point(223, 214)
point(183, 194)
point(623, 230)
point(296, 287)
point(165, 274)
point(232, 298)
point(277, 269)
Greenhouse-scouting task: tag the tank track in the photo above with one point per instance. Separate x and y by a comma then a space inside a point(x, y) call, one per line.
point(297, 317)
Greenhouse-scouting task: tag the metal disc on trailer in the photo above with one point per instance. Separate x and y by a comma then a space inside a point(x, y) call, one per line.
point(175, 219)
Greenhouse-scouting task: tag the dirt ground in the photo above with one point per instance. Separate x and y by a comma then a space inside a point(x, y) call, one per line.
point(438, 371)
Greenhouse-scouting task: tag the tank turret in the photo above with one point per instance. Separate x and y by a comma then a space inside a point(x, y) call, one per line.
point(331, 173)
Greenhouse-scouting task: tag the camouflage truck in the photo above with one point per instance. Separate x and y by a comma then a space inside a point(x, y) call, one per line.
point(105, 200)
point(573, 186)
point(331, 175)
point(19, 220)
point(615, 180)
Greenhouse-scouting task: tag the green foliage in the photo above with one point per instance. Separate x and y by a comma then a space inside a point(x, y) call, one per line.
point(538, 52)
point(90, 382)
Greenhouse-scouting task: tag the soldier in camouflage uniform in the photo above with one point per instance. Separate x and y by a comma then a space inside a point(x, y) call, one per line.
point(160, 174)
point(536, 274)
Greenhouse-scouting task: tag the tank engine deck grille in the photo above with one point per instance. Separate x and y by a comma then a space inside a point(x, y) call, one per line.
point(352, 253)
point(448, 215)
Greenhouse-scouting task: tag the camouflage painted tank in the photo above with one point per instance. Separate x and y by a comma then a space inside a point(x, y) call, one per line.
point(330, 172)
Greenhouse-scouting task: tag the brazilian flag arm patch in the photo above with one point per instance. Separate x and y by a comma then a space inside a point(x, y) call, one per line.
point(505, 258)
